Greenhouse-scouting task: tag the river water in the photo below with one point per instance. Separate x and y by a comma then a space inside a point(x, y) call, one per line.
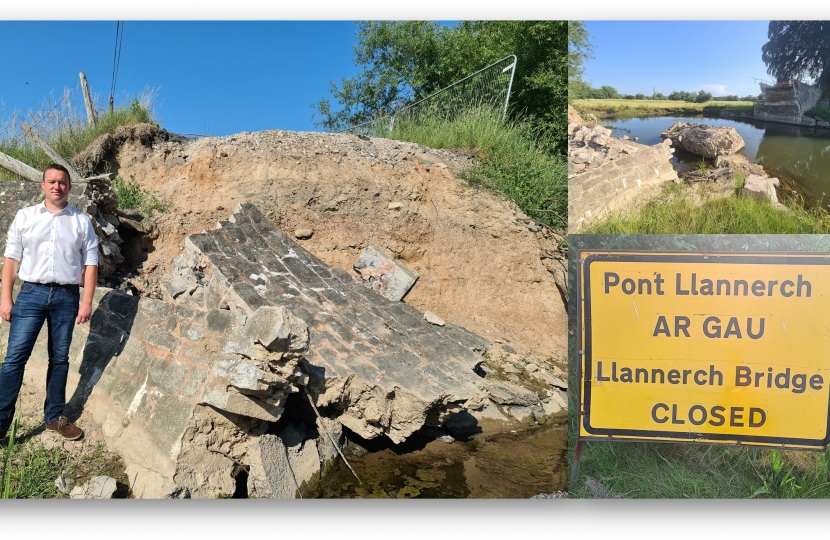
point(508, 463)
point(800, 156)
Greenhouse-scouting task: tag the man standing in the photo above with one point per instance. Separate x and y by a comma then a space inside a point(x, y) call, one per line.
point(55, 249)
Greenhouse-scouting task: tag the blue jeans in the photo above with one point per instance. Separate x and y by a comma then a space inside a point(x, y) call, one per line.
point(58, 306)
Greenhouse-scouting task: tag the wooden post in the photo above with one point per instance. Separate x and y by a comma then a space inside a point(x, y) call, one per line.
point(111, 103)
point(54, 156)
point(20, 168)
point(91, 117)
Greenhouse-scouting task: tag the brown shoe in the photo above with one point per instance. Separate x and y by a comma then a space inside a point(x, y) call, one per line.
point(65, 429)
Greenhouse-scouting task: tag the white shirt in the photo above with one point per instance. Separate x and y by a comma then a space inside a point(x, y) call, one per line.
point(52, 248)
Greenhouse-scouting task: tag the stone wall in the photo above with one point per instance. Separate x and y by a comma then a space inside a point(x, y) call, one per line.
point(787, 105)
point(618, 183)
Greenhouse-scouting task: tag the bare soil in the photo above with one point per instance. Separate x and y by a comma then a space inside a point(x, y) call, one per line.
point(482, 263)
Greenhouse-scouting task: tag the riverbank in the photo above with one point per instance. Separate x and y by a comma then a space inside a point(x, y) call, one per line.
point(706, 196)
point(615, 108)
point(696, 209)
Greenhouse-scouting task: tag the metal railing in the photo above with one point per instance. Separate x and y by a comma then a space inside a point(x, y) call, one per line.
point(487, 87)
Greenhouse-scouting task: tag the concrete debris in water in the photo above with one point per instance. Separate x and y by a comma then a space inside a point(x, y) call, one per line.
point(703, 140)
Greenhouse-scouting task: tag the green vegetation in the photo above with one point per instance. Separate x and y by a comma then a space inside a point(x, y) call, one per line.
point(512, 159)
point(815, 112)
point(648, 107)
point(64, 129)
point(740, 181)
point(797, 50)
point(132, 196)
point(579, 50)
point(30, 469)
point(653, 470)
point(675, 212)
point(7, 461)
point(404, 61)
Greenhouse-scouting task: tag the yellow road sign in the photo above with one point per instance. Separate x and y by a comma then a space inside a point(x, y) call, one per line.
point(718, 347)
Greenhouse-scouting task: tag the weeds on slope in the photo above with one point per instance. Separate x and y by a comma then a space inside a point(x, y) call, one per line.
point(62, 124)
point(512, 159)
point(132, 196)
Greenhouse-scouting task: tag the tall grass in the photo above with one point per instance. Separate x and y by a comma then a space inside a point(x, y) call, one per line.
point(62, 124)
point(675, 212)
point(512, 160)
point(655, 470)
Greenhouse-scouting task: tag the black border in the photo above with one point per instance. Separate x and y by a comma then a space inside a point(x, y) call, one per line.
point(584, 302)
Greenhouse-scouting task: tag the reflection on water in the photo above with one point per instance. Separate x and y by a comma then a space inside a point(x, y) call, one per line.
point(800, 155)
point(516, 464)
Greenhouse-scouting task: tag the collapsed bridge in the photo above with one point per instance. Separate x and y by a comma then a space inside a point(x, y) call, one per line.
point(188, 390)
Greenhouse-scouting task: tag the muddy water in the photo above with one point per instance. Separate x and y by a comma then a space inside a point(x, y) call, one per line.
point(496, 465)
point(800, 156)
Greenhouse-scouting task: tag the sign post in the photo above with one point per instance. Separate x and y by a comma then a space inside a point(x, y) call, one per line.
point(719, 348)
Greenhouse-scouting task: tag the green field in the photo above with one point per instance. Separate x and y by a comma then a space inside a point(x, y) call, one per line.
point(647, 107)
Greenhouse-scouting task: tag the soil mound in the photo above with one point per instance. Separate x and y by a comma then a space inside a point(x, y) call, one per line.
point(483, 264)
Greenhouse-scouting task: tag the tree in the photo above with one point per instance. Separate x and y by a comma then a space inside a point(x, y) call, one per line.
point(798, 50)
point(579, 50)
point(610, 92)
point(703, 97)
point(604, 92)
point(404, 61)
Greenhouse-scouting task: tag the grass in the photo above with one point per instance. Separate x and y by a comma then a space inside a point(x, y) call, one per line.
point(513, 160)
point(62, 124)
point(815, 112)
point(674, 212)
point(132, 196)
point(740, 181)
point(648, 107)
point(657, 470)
point(30, 469)
point(7, 461)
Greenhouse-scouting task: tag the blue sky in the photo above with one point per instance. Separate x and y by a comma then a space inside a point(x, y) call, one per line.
point(213, 77)
point(720, 57)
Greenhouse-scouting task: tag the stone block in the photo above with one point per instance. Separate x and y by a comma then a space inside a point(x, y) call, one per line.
point(287, 461)
point(383, 274)
point(243, 405)
point(761, 187)
point(505, 393)
point(192, 332)
point(158, 337)
point(277, 330)
point(100, 487)
point(221, 321)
